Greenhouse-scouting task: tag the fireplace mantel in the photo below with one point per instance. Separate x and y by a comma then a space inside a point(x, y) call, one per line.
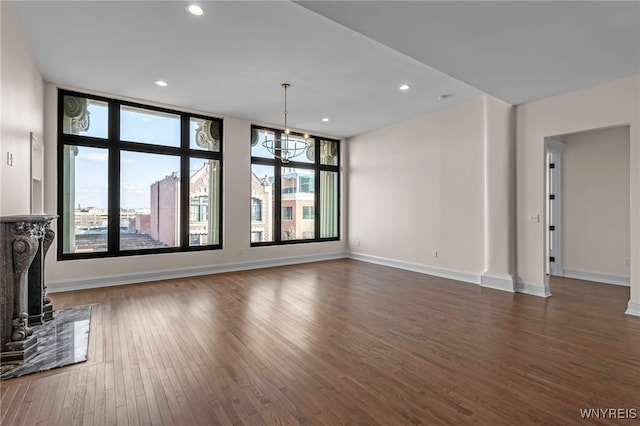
point(23, 239)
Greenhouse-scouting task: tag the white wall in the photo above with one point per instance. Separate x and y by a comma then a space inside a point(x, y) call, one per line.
point(612, 104)
point(596, 210)
point(21, 112)
point(416, 187)
point(237, 253)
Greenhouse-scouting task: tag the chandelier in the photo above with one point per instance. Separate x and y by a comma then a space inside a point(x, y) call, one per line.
point(286, 148)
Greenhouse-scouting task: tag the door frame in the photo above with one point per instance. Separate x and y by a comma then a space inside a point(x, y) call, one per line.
point(556, 147)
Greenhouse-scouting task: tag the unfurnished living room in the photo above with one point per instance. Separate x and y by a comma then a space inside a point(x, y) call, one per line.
point(319, 212)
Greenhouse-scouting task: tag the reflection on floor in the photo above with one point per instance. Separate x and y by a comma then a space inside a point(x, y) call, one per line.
point(590, 293)
point(61, 341)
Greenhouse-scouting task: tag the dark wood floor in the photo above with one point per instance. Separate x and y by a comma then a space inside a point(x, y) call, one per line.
point(339, 342)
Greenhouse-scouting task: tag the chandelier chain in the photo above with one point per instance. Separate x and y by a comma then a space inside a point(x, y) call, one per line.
point(283, 148)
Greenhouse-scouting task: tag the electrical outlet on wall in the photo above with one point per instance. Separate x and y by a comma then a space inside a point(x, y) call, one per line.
point(9, 159)
point(534, 218)
point(435, 254)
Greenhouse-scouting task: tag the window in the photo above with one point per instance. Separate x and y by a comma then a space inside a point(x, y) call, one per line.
point(262, 226)
point(303, 193)
point(287, 213)
point(307, 213)
point(306, 183)
point(136, 179)
point(198, 208)
point(256, 210)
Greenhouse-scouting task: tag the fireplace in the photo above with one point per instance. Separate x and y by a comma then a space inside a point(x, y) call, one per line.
point(25, 241)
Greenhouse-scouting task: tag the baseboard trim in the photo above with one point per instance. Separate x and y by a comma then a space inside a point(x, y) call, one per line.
point(498, 283)
point(532, 289)
point(597, 277)
point(417, 267)
point(633, 308)
point(114, 280)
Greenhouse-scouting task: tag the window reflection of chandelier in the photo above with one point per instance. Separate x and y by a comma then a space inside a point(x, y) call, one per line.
point(286, 147)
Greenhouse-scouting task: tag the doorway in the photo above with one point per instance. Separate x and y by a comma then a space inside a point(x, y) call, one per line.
point(587, 191)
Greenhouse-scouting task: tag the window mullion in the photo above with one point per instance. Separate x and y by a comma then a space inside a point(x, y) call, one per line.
point(277, 234)
point(185, 172)
point(61, 178)
point(113, 191)
point(317, 208)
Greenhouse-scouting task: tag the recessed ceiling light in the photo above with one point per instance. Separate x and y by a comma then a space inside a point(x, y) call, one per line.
point(194, 9)
point(325, 119)
point(162, 83)
point(404, 87)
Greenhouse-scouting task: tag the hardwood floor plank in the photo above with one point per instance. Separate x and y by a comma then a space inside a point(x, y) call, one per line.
point(160, 402)
point(110, 407)
point(338, 342)
point(100, 392)
point(121, 416)
point(45, 405)
point(11, 400)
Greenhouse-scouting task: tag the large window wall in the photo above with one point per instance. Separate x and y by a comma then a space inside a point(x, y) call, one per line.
point(295, 201)
point(136, 179)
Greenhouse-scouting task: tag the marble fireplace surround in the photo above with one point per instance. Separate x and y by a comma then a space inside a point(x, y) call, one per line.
point(62, 341)
point(31, 339)
point(24, 242)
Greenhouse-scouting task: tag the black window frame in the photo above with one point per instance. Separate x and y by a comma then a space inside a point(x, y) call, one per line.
point(115, 147)
point(317, 167)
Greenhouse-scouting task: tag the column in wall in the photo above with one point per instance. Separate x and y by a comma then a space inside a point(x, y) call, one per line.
point(633, 306)
point(499, 195)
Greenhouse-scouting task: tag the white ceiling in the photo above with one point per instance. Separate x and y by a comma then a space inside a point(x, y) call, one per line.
point(344, 60)
point(518, 51)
